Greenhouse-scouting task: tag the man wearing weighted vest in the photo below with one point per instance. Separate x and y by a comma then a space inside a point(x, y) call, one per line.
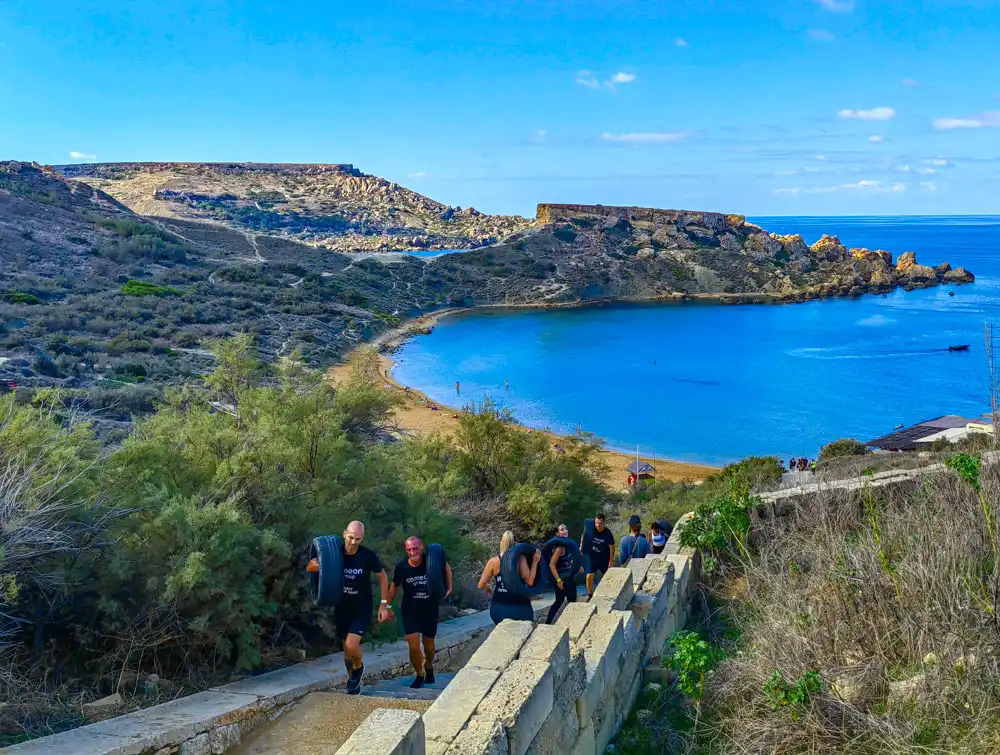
point(354, 611)
point(420, 608)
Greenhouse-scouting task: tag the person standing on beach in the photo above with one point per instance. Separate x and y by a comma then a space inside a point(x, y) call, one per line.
point(601, 554)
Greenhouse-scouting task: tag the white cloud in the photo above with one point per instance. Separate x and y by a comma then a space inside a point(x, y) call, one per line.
point(587, 79)
point(418, 174)
point(821, 158)
point(623, 78)
point(821, 35)
point(909, 82)
point(649, 137)
point(938, 162)
point(875, 114)
point(74, 155)
point(681, 42)
point(926, 171)
point(929, 185)
point(865, 186)
point(904, 168)
point(983, 120)
point(876, 138)
point(837, 6)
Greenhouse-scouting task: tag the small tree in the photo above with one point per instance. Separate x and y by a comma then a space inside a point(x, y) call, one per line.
point(841, 448)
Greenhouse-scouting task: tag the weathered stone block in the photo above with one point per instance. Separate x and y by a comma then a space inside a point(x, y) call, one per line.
point(456, 704)
point(502, 646)
point(225, 737)
point(604, 636)
point(639, 568)
point(616, 586)
point(200, 745)
point(483, 736)
point(433, 747)
point(611, 723)
point(549, 644)
point(602, 605)
point(586, 743)
point(387, 732)
point(575, 618)
point(593, 686)
point(521, 700)
point(682, 571)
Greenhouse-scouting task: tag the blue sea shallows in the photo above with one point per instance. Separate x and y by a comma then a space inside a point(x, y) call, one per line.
point(715, 383)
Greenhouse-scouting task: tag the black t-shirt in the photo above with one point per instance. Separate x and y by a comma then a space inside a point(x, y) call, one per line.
point(601, 545)
point(357, 585)
point(416, 590)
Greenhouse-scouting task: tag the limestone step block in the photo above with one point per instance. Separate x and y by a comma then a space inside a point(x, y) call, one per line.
point(387, 732)
point(560, 729)
point(604, 636)
point(502, 646)
point(682, 572)
point(575, 618)
point(549, 644)
point(586, 743)
point(649, 602)
point(602, 605)
point(639, 568)
point(593, 685)
point(457, 702)
point(483, 736)
point(616, 586)
point(612, 723)
point(661, 631)
point(431, 747)
point(521, 700)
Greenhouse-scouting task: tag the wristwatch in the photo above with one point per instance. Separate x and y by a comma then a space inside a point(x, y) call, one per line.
point(385, 602)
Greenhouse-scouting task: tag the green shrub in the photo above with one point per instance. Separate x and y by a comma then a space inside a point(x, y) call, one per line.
point(691, 658)
point(17, 297)
point(145, 288)
point(793, 695)
point(843, 447)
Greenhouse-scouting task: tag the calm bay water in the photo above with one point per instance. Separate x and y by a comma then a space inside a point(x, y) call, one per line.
point(715, 383)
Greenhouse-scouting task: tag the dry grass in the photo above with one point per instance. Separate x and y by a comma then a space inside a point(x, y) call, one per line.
point(890, 595)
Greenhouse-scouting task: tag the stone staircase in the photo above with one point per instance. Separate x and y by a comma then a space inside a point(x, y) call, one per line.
point(399, 688)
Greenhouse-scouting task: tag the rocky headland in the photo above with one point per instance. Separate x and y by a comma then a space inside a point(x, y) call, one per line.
point(116, 275)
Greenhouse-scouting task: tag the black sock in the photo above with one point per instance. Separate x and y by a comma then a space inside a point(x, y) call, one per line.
point(429, 675)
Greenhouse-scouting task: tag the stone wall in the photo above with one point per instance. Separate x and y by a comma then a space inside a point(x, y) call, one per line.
point(565, 688)
point(554, 213)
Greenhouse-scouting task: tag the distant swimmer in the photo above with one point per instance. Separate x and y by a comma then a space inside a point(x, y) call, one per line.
point(458, 387)
point(506, 384)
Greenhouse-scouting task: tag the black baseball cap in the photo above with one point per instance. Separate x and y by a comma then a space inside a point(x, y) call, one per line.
point(634, 520)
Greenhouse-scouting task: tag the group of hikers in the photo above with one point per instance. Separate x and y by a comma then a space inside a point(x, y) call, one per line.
point(801, 464)
point(419, 608)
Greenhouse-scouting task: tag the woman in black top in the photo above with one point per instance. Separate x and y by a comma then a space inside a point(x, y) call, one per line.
point(504, 604)
point(560, 563)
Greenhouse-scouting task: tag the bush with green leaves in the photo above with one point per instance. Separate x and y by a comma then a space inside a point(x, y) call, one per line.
point(691, 658)
point(843, 447)
point(794, 695)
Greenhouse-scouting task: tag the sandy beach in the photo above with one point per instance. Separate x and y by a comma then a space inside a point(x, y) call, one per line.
point(417, 415)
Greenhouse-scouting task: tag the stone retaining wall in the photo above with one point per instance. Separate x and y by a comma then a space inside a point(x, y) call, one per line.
point(211, 722)
point(543, 690)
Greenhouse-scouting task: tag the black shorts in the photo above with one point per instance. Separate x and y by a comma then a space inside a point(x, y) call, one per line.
point(423, 621)
point(597, 564)
point(352, 618)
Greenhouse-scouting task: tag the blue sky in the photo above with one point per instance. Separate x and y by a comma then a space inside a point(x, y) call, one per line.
point(820, 107)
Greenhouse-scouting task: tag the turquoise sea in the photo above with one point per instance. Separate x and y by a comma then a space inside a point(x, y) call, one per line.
point(714, 383)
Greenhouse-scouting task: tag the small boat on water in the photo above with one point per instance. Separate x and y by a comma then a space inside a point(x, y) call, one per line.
point(962, 347)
